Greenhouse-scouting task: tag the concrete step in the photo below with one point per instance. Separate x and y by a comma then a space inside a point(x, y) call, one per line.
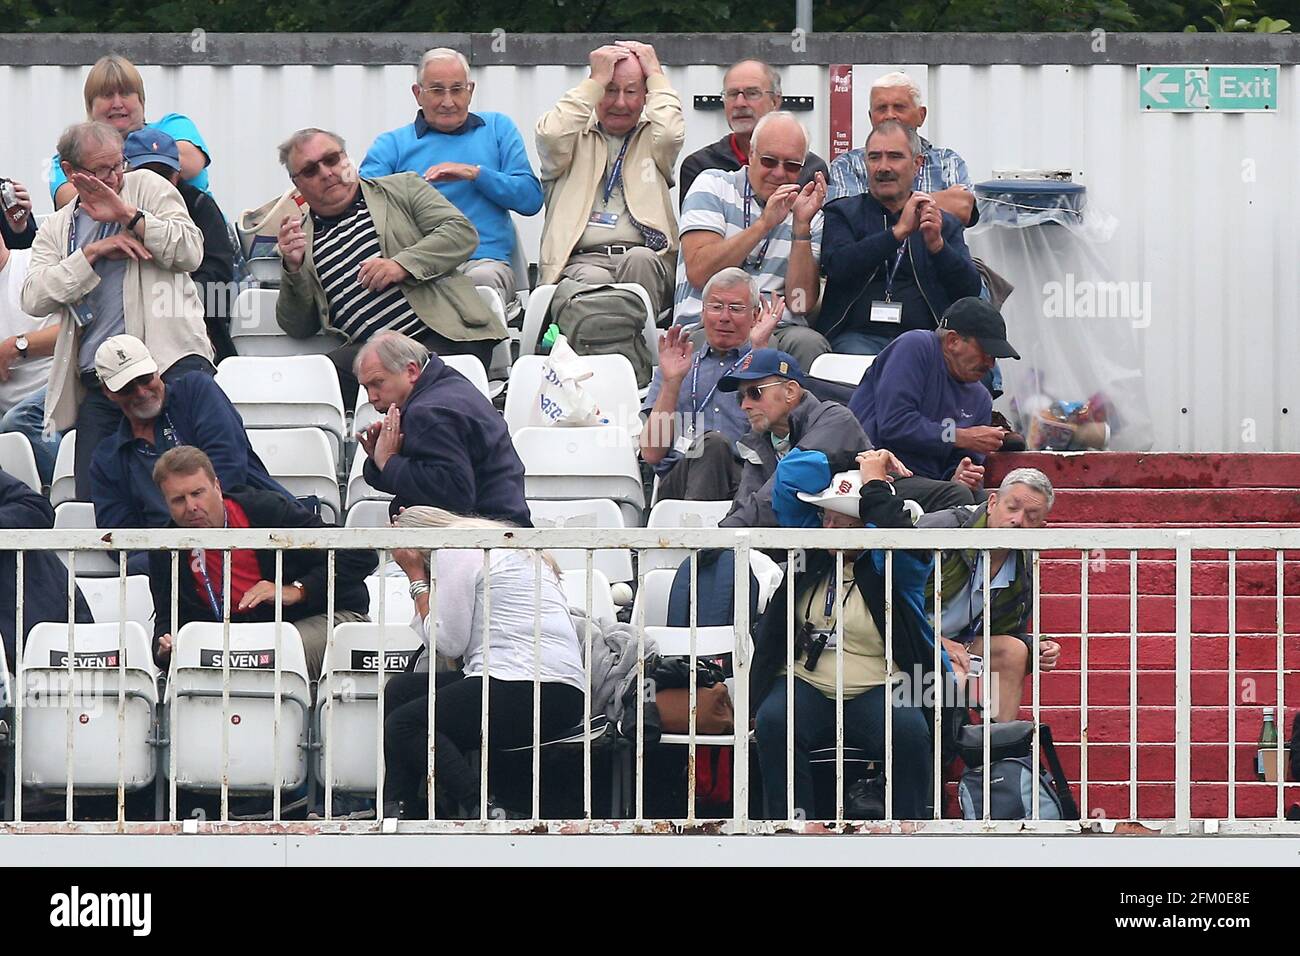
point(1151, 470)
point(1113, 725)
point(1108, 573)
point(1155, 652)
point(1063, 688)
point(1109, 614)
point(1204, 505)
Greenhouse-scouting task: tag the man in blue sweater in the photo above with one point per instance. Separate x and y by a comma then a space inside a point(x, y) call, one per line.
point(923, 400)
point(192, 410)
point(476, 160)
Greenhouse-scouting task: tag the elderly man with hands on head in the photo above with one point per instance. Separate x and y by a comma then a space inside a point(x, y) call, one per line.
point(608, 150)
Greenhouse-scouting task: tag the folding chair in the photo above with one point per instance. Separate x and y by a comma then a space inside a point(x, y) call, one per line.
point(18, 461)
point(616, 563)
point(566, 464)
point(296, 391)
point(255, 331)
point(302, 461)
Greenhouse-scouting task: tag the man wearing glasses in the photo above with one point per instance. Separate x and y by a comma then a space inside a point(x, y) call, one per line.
point(750, 90)
point(608, 150)
point(476, 160)
point(375, 255)
point(759, 218)
point(116, 260)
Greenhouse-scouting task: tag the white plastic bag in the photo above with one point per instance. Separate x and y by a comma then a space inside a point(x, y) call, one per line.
point(562, 400)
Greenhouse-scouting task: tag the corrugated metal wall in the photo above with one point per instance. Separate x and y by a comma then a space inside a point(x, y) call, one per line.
point(1206, 205)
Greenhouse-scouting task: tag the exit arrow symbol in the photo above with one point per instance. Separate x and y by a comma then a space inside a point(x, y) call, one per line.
point(1156, 89)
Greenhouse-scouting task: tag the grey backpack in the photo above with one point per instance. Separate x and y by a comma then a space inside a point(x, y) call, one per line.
point(603, 320)
point(1012, 780)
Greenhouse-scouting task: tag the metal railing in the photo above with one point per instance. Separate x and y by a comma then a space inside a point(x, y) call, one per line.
point(631, 778)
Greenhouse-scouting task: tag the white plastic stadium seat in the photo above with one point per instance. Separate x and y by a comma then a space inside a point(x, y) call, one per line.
point(673, 513)
point(104, 597)
point(615, 563)
point(499, 364)
point(393, 591)
point(81, 514)
point(839, 367)
point(293, 391)
point(612, 384)
point(652, 598)
point(301, 460)
point(18, 461)
point(348, 696)
point(574, 585)
point(63, 486)
point(368, 513)
point(539, 304)
point(566, 464)
point(93, 698)
point(254, 330)
point(199, 720)
point(358, 488)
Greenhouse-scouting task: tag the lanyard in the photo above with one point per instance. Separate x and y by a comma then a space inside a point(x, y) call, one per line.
point(201, 567)
point(762, 250)
point(616, 173)
point(890, 272)
point(828, 611)
point(695, 379)
point(105, 229)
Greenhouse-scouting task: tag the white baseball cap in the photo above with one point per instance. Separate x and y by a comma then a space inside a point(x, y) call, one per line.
point(120, 359)
point(843, 495)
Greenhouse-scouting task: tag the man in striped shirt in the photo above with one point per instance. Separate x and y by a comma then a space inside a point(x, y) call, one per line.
point(376, 255)
point(943, 174)
point(759, 219)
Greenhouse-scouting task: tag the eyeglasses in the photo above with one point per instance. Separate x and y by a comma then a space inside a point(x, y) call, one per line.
point(457, 90)
point(309, 171)
point(106, 172)
point(717, 308)
point(755, 392)
point(751, 93)
point(791, 166)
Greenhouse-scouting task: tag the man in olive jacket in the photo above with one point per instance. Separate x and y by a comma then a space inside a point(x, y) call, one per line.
point(375, 255)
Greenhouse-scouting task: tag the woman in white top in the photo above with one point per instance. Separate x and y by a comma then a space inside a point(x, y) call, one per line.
point(509, 662)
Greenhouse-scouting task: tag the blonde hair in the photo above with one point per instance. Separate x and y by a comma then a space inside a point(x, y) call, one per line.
point(427, 516)
point(112, 74)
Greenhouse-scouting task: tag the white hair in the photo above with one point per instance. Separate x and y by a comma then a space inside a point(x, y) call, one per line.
point(1031, 478)
point(891, 81)
point(733, 277)
point(441, 53)
point(770, 117)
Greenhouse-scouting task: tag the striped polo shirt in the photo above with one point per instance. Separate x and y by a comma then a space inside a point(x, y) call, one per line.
point(339, 246)
point(716, 203)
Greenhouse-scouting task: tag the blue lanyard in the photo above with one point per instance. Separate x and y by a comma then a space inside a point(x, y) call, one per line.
point(695, 379)
point(616, 173)
point(762, 250)
point(201, 556)
point(890, 272)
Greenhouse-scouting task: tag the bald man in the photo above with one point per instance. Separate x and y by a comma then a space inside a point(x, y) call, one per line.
point(607, 151)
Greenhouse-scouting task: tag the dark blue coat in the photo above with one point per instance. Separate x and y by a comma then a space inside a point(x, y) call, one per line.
point(45, 579)
point(456, 452)
point(858, 246)
point(195, 412)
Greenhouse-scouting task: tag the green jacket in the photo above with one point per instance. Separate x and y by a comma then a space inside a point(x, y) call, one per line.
point(1013, 604)
point(429, 236)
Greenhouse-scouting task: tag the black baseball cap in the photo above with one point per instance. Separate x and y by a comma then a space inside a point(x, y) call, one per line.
point(976, 319)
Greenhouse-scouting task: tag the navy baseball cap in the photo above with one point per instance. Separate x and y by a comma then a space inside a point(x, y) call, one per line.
point(975, 318)
point(148, 145)
point(762, 363)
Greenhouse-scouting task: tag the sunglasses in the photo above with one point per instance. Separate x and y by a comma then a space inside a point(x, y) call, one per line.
point(789, 165)
point(332, 160)
point(755, 392)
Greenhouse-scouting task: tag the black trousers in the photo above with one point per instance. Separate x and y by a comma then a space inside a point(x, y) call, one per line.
point(457, 722)
point(343, 358)
point(98, 417)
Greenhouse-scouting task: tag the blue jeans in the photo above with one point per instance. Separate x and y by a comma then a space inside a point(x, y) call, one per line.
point(859, 343)
point(28, 418)
point(864, 728)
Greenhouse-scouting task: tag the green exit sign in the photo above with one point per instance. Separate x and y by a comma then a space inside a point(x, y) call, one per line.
point(1191, 88)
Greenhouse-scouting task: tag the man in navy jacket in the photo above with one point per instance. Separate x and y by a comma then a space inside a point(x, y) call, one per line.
point(45, 579)
point(440, 441)
point(193, 410)
point(893, 259)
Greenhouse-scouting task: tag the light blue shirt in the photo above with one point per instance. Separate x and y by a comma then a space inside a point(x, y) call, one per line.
point(943, 168)
point(176, 125)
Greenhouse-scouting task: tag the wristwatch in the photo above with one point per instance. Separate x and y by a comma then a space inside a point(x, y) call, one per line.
point(302, 588)
point(20, 343)
point(139, 214)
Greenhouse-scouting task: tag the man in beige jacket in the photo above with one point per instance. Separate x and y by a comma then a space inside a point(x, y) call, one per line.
point(376, 255)
point(607, 153)
point(116, 260)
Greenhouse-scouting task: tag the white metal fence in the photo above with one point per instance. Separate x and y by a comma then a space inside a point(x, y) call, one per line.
point(37, 692)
